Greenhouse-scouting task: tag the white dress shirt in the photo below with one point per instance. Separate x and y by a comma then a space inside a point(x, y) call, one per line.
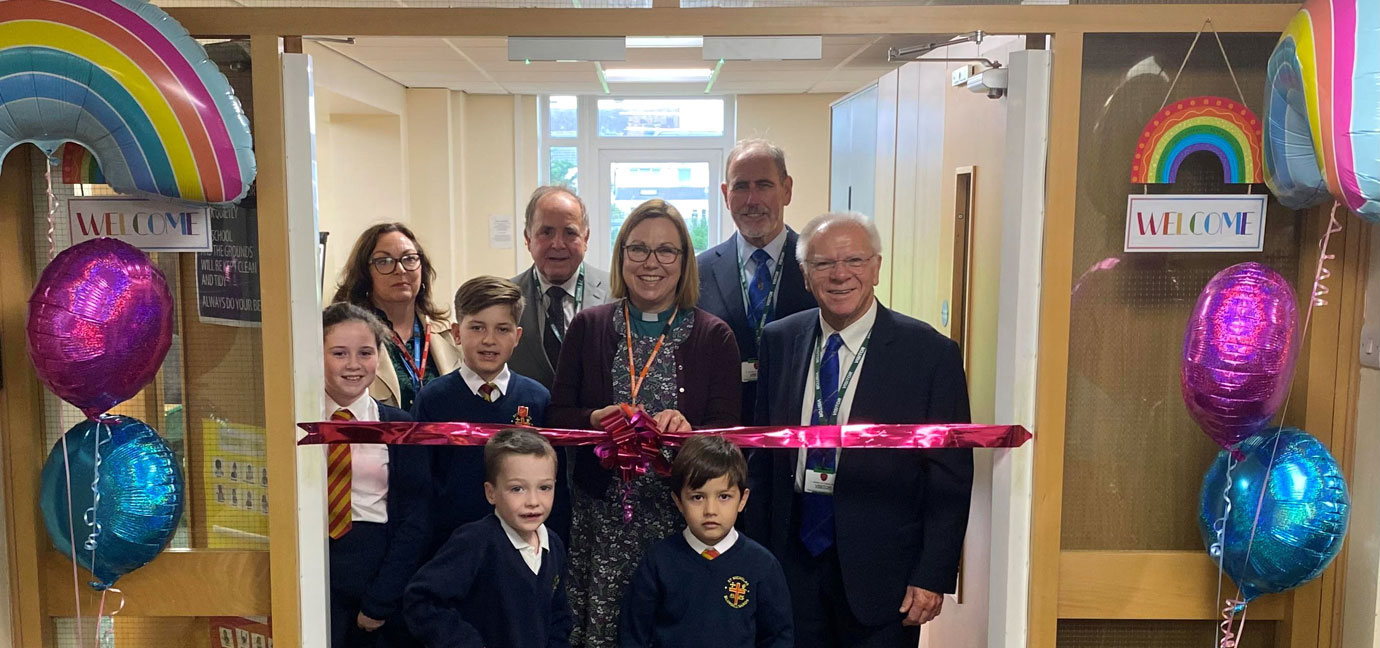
point(368, 464)
point(774, 249)
point(530, 555)
point(567, 303)
point(474, 381)
point(853, 336)
point(700, 547)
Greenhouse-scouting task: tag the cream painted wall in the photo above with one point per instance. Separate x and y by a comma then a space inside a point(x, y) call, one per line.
point(489, 156)
point(1360, 616)
point(799, 124)
point(360, 181)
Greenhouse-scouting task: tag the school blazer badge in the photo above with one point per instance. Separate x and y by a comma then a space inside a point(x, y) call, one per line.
point(736, 592)
point(522, 417)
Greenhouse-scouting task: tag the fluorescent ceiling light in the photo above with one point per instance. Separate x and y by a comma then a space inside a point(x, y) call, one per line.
point(523, 48)
point(653, 42)
point(675, 75)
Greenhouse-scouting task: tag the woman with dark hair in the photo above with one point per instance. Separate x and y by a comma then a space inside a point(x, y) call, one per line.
point(651, 349)
point(390, 275)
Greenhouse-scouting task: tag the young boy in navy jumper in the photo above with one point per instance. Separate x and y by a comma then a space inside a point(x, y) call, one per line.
point(707, 586)
point(481, 390)
point(497, 582)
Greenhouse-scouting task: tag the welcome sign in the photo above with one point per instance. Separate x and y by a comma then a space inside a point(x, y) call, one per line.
point(150, 225)
point(1195, 223)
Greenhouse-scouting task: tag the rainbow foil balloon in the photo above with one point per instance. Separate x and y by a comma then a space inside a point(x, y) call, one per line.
point(1225, 128)
point(1322, 98)
point(79, 166)
point(124, 80)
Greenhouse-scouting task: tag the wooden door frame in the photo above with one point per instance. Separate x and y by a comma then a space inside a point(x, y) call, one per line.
point(267, 27)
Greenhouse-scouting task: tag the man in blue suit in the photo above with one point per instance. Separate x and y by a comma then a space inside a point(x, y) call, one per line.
point(869, 539)
point(753, 277)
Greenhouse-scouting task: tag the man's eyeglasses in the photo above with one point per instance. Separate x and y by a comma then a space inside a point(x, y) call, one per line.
point(637, 253)
point(388, 265)
point(852, 263)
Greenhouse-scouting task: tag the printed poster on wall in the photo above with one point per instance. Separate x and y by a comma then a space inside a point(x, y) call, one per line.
point(227, 277)
point(1195, 223)
point(236, 485)
point(152, 225)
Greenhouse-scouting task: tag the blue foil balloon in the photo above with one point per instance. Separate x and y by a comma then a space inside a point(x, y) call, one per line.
point(1303, 516)
point(140, 503)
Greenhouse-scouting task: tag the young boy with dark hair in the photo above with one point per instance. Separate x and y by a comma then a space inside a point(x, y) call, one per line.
point(481, 390)
point(707, 586)
point(496, 583)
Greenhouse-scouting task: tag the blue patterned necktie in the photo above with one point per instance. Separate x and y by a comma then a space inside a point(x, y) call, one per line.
point(759, 291)
point(817, 511)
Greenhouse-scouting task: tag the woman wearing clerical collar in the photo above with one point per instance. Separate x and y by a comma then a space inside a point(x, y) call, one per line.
point(651, 349)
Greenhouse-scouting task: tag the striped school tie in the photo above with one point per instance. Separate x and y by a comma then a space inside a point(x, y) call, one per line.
point(338, 470)
point(710, 553)
point(486, 391)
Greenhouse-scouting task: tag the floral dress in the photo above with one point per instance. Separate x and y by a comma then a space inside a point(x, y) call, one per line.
point(605, 550)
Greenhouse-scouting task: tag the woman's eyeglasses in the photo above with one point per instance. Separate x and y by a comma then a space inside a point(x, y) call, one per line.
point(388, 265)
point(637, 253)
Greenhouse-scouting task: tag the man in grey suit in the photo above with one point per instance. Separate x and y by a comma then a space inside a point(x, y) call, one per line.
point(558, 284)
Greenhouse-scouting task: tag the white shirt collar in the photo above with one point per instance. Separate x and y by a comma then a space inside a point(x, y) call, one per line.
point(853, 334)
point(474, 382)
point(699, 547)
point(364, 408)
point(519, 543)
point(569, 284)
point(773, 248)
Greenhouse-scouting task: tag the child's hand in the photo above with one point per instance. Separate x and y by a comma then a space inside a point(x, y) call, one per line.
point(367, 624)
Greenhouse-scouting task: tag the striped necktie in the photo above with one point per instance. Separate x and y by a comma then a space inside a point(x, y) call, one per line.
point(338, 469)
point(710, 553)
point(486, 391)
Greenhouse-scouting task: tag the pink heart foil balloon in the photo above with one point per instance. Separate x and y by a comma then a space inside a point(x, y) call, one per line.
point(1239, 352)
point(100, 323)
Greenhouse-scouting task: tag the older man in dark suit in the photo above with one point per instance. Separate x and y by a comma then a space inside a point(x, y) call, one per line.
point(556, 287)
point(869, 539)
point(558, 284)
point(753, 277)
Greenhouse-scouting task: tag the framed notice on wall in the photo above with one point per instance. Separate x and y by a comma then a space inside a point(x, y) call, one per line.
point(227, 277)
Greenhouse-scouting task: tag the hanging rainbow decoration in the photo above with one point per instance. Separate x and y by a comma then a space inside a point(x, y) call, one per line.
point(125, 81)
point(79, 166)
point(1322, 139)
point(1220, 126)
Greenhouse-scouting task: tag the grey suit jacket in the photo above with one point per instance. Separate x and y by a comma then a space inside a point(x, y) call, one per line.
point(529, 358)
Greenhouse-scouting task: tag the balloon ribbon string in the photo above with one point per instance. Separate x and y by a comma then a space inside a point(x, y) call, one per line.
point(72, 537)
point(52, 207)
point(1220, 527)
point(1230, 637)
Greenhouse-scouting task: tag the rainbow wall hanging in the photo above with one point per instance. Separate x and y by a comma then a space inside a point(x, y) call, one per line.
point(79, 166)
point(1221, 126)
point(1323, 108)
point(124, 80)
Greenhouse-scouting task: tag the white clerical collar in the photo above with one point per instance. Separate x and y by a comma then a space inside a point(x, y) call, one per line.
point(519, 542)
point(700, 547)
point(568, 286)
point(773, 247)
point(363, 408)
point(474, 381)
point(853, 334)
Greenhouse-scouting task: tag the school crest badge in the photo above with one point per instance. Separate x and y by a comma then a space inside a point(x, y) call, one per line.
point(736, 592)
point(522, 417)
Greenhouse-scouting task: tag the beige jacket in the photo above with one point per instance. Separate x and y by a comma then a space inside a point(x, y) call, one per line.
point(444, 352)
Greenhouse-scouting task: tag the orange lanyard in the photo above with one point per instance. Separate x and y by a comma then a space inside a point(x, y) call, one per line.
point(637, 378)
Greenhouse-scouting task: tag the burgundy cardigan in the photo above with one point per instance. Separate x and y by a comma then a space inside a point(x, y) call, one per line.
point(708, 374)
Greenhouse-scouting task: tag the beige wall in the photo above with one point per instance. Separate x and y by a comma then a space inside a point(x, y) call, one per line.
point(799, 124)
